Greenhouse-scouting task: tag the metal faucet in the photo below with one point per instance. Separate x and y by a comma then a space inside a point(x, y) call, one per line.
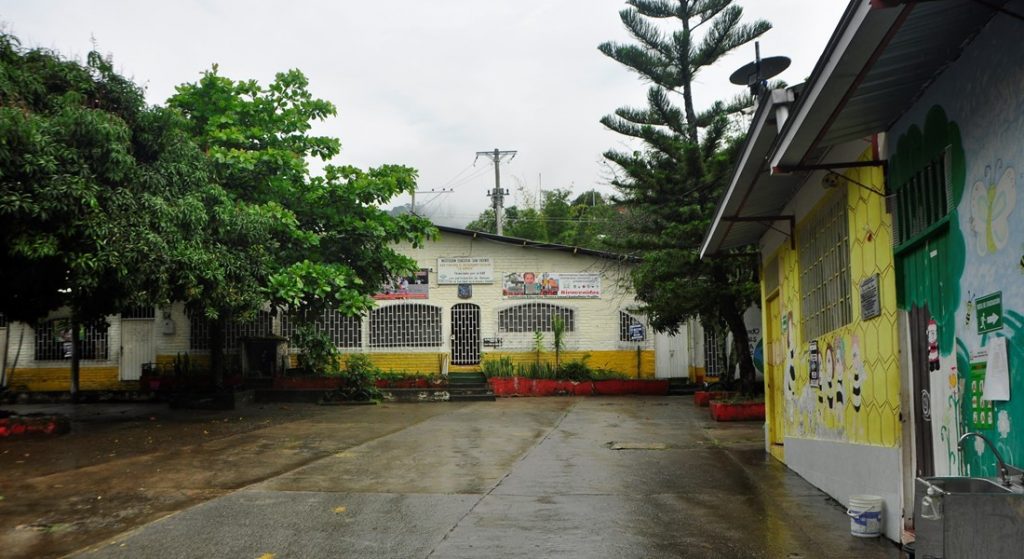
point(1004, 473)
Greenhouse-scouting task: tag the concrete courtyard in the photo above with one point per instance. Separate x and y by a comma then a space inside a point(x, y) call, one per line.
point(543, 477)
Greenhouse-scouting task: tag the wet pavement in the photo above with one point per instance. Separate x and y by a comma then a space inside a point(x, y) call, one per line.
point(541, 477)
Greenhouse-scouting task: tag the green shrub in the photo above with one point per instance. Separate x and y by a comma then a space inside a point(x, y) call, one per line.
point(607, 374)
point(501, 367)
point(575, 370)
point(360, 378)
point(317, 353)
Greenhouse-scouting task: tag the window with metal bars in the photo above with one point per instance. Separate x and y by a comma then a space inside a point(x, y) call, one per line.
point(53, 340)
point(345, 331)
point(714, 353)
point(199, 330)
point(625, 321)
point(535, 317)
point(405, 325)
point(138, 313)
point(923, 200)
point(826, 298)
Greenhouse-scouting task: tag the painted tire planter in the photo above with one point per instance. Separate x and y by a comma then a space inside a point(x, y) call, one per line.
point(33, 424)
point(701, 398)
point(519, 386)
point(737, 411)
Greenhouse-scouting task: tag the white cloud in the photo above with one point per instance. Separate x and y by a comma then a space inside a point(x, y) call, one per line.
point(425, 84)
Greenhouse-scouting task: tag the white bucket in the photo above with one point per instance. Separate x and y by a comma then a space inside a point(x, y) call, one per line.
point(865, 514)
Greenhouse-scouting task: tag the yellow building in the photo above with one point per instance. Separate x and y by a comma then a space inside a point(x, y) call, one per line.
point(828, 295)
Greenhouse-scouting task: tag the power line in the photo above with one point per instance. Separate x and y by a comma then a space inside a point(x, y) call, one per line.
point(498, 194)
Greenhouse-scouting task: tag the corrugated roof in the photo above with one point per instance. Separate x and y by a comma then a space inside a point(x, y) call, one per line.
point(875, 66)
point(536, 244)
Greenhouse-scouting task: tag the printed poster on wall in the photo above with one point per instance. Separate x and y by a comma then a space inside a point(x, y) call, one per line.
point(815, 365)
point(533, 285)
point(415, 286)
point(465, 270)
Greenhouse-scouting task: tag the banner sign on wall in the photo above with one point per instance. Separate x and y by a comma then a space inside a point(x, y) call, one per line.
point(466, 270)
point(416, 286)
point(533, 285)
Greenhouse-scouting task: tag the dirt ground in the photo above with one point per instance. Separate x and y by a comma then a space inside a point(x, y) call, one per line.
point(123, 465)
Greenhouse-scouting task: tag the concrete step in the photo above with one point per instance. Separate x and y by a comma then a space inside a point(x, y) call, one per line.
point(488, 397)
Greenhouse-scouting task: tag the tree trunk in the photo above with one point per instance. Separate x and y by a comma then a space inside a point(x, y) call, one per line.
point(76, 361)
point(748, 375)
point(684, 68)
point(217, 350)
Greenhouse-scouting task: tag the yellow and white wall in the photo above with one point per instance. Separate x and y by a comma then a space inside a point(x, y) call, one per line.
point(596, 335)
point(596, 320)
point(844, 435)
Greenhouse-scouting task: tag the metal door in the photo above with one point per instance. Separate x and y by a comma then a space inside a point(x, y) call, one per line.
point(465, 334)
point(137, 346)
point(922, 272)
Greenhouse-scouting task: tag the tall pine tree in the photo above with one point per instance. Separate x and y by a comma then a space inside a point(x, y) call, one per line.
point(672, 185)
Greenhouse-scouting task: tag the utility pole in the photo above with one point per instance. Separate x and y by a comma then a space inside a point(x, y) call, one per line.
point(497, 195)
point(412, 209)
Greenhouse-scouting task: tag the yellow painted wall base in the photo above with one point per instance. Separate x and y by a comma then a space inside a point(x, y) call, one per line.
point(778, 452)
point(58, 379)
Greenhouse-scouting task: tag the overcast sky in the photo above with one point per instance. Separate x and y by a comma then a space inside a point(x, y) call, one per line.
point(420, 83)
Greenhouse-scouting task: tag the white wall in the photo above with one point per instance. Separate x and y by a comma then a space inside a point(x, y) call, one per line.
point(843, 469)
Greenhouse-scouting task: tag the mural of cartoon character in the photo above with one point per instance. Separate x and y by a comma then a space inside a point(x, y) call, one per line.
point(832, 394)
point(790, 371)
point(992, 201)
point(859, 373)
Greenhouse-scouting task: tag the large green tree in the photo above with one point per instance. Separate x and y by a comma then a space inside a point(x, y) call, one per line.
point(672, 183)
point(94, 190)
point(323, 241)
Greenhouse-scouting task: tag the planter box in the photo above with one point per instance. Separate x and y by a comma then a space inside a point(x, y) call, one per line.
point(519, 386)
point(737, 411)
point(702, 397)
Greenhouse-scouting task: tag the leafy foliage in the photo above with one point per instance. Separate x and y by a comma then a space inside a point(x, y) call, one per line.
point(360, 376)
point(586, 221)
point(671, 187)
point(318, 354)
point(300, 241)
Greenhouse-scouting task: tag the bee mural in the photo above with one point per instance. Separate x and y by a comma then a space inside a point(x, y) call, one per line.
point(790, 372)
point(832, 393)
point(859, 373)
point(992, 201)
point(969, 307)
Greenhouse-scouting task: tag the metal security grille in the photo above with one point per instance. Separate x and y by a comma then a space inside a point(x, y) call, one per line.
point(625, 321)
point(535, 317)
point(714, 353)
point(923, 200)
point(465, 334)
point(199, 330)
point(53, 340)
point(345, 331)
point(405, 325)
point(139, 313)
point(825, 290)
point(3, 320)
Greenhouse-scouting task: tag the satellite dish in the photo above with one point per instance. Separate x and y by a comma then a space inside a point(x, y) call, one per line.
point(756, 71)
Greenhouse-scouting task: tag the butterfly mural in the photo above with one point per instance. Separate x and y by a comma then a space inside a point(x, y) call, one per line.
point(992, 201)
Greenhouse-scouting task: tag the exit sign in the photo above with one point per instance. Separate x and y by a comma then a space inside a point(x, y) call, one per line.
point(990, 312)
